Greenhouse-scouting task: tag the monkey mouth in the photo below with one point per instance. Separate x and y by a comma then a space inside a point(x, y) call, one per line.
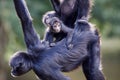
point(57, 31)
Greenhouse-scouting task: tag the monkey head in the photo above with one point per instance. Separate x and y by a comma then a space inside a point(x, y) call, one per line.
point(47, 17)
point(20, 63)
point(52, 22)
point(55, 25)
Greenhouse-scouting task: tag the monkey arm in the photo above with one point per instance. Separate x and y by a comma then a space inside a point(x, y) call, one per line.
point(84, 8)
point(30, 35)
point(65, 29)
point(48, 37)
point(56, 5)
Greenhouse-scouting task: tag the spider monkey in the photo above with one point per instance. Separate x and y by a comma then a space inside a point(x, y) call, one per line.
point(48, 64)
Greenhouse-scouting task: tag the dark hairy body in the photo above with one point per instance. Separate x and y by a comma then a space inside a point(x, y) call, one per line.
point(48, 63)
point(91, 66)
point(67, 12)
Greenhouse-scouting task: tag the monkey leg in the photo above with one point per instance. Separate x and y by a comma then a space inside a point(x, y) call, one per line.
point(92, 65)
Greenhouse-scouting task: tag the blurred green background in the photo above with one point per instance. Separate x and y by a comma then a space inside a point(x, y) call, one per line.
point(105, 15)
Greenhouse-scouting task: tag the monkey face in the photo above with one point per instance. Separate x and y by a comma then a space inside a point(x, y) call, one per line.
point(18, 69)
point(19, 65)
point(56, 27)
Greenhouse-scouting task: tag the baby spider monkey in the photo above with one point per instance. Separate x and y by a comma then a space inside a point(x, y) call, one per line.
point(54, 28)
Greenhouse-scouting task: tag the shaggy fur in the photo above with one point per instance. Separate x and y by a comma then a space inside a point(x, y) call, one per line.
point(48, 62)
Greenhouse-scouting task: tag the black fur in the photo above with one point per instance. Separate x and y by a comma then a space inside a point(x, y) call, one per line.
point(67, 12)
point(51, 36)
point(48, 62)
point(91, 66)
point(68, 9)
point(55, 27)
point(20, 63)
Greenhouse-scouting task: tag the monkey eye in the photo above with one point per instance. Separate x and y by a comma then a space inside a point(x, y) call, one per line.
point(56, 24)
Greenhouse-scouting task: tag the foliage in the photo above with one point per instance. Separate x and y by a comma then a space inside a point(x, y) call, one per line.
point(106, 14)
